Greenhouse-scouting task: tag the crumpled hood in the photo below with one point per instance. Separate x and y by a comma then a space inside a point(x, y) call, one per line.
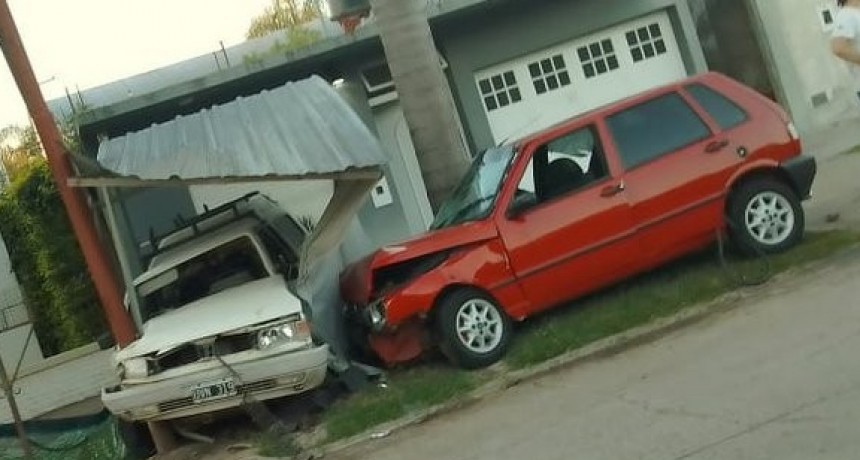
point(356, 281)
point(252, 303)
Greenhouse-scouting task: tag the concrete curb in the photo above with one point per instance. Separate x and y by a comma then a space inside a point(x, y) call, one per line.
point(647, 333)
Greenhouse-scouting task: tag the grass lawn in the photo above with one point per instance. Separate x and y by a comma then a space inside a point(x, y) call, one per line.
point(659, 294)
point(408, 390)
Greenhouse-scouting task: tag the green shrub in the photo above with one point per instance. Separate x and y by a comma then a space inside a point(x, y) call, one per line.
point(48, 262)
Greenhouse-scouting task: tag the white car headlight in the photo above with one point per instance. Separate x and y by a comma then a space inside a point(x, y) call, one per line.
point(135, 368)
point(293, 331)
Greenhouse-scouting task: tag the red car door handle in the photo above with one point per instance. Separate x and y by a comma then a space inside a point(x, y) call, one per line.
point(612, 190)
point(716, 146)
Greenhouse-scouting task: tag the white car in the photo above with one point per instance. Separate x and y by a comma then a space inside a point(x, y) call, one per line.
point(218, 318)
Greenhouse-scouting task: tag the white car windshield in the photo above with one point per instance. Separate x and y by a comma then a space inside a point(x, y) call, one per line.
point(227, 266)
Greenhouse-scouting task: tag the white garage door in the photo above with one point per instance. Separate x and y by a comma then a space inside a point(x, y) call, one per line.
point(538, 90)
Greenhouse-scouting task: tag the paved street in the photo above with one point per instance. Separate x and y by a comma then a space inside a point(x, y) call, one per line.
point(776, 378)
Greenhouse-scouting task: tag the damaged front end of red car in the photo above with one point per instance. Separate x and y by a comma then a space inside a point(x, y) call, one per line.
point(370, 287)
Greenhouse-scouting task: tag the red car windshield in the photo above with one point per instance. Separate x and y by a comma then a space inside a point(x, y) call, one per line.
point(476, 195)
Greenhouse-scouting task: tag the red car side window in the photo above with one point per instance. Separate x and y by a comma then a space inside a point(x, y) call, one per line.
point(655, 128)
point(563, 165)
point(726, 113)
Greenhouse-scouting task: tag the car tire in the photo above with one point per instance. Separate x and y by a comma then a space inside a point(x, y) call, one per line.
point(765, 217)
point(474, 332)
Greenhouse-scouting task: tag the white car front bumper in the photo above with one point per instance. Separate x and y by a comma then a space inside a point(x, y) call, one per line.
point(260, 374)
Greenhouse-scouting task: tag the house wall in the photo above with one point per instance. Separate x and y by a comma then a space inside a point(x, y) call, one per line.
point(12, 348)
point(816, 87)
point(10, 292)
point(515, 29)
point(14, 320)
point(61, 380)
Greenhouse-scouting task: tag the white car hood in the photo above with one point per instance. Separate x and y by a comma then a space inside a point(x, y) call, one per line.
point(252, 303)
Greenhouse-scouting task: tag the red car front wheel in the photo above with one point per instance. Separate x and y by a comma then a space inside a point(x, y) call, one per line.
point(474, 331)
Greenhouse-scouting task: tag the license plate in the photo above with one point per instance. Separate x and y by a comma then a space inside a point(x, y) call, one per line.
point(210, 391)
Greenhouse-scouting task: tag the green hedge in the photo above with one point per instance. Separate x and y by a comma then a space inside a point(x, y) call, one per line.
point(48, 261)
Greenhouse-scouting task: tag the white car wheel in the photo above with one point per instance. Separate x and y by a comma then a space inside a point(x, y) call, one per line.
point(765, 216)
point(769, 218)
point(479, 326)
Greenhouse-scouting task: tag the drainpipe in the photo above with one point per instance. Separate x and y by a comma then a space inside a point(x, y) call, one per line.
point(74, 201)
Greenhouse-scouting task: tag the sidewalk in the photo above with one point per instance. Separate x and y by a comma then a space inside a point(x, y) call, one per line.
point(827, 143)
point(837, 188)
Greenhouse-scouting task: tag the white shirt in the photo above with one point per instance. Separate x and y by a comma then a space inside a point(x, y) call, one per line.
point(847, 25)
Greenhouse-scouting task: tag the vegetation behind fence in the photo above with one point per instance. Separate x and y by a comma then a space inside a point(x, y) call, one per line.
point(48, 262)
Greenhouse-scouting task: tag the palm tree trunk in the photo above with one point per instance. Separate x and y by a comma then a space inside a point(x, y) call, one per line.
point(424, 94)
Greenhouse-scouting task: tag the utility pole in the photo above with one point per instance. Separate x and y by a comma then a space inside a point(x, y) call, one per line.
point(9, 392)
point(74, 201)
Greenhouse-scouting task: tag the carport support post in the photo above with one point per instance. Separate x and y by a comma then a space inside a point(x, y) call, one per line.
point(162, 436)
point(74, 201)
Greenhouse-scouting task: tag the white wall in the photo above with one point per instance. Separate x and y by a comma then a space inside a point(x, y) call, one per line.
point(394, 136)
point(10, 293)
point(298, 198)
point(14, 327)
point(61, 380)
point(12, 344)
point(800, 48)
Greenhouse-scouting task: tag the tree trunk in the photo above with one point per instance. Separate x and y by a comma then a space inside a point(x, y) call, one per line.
point(424, 94)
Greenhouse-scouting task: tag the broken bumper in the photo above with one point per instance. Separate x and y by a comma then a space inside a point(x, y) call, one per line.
point(259, 374)
point(801, 171)
point(368, 331)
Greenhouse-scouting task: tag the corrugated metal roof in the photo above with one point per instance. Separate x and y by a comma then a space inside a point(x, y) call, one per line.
point(300, 128)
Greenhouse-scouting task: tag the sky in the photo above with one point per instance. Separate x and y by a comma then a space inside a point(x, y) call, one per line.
point(84, 43)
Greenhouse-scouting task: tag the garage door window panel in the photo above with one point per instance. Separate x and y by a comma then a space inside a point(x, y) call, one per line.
point(500, 90)
point(655, 128)
point(549, 74)
point(646, 42)
point(726, 113)
point(598, 58)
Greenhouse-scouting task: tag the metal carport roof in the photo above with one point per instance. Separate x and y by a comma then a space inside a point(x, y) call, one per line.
point(301, 130)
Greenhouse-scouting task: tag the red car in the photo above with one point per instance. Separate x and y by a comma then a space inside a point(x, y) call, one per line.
point(574, 208)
